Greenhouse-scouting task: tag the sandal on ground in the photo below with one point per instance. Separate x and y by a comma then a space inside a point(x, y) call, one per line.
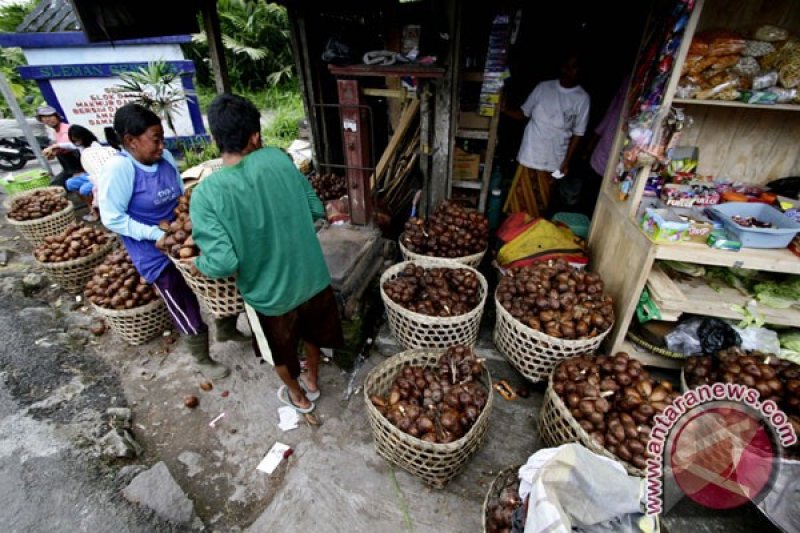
point(284, 397)
point(312, 396)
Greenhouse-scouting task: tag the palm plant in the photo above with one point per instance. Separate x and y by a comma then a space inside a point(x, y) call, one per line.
point(156, 87)
point(256, 38)
point(26, 91)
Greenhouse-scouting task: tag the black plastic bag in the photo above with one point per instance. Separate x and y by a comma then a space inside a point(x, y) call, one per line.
point(338, 52)
point(716, 335)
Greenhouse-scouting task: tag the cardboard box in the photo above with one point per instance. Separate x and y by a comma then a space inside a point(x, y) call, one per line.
point(466, 166)
point(663, 225)
point(472, 120)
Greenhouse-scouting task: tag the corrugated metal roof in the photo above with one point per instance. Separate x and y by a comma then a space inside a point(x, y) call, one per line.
point(50, 16)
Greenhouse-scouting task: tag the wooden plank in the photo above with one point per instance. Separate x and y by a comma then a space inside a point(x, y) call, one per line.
point(741, 15)
point(744, 105)
point(622, 255)
point(698, 297)
point(307, 92)
point(488, 163)
point(406, 119)
point(662, 287)
point(398, 69)
point(772, 260)
point(675, 76)
point(473, 134)
point(464, 184)
point(27, 130)
point(216, 50)
point(747, 145)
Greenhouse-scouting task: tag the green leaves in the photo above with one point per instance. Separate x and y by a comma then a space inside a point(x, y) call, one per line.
point(157, 87)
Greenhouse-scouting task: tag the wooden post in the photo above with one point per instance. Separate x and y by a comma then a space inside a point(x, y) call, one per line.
point(445, 107)
point(5, 88)
point(425, 144)
point(305, 77)
point(216, 50)
point(355, 137)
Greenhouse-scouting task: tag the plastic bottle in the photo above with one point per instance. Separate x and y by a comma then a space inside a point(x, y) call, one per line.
point(493, 211)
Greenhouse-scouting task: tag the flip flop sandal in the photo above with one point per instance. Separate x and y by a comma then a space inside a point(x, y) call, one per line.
point(312, 396)
point(283, 396)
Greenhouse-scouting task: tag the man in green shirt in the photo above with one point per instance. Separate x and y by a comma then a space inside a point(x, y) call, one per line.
point(254, 218)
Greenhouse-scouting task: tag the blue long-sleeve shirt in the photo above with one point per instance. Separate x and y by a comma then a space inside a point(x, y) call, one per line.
point(115, 189)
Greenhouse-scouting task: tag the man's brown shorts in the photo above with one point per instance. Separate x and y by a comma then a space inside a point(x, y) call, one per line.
point(315, 321)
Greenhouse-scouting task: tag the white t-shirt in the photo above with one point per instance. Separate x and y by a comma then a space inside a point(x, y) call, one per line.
point(556, 113)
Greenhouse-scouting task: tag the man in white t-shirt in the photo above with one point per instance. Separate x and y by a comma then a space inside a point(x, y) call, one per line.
point(558, 113)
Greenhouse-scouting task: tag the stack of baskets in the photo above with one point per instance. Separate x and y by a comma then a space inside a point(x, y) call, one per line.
point(219, 296)
point(72, 275)
point(534, 353)
point(415, 330)
point(34, 231)
point(138, 325)
point(557, 426)
point(434, 463)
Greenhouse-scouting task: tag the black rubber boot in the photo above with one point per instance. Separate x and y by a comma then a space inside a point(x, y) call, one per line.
point(226, 330)
point(198, 347)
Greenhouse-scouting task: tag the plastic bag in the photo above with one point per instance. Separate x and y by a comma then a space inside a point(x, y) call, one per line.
point(765, 80)
point(747, 65)
point(528, 241)
point(761, 339)
point(716, 335)
point(338, 52)
point(770, 33)
point(701, 335)
point(757, 48)
point(576, 488)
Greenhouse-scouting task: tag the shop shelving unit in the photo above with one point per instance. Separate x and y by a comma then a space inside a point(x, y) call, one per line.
point(745, 142)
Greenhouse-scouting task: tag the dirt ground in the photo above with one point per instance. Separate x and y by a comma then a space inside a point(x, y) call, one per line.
point(334, 481)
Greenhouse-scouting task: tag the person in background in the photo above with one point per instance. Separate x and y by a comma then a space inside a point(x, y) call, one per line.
point(255, 218)
point(138, 188)
point(83, 184)
point(60, 147)
point(598, 149)
point(558, 113)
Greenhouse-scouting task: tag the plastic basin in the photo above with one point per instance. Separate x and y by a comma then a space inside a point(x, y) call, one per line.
point(779, 236)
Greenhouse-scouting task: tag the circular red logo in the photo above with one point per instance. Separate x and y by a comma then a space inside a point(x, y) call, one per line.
point(723, 456)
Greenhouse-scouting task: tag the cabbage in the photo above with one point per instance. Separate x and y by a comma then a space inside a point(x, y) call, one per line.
point(781, 295)
point(790, 340)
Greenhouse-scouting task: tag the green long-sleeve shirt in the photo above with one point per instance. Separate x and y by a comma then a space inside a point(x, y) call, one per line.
point(255, 219)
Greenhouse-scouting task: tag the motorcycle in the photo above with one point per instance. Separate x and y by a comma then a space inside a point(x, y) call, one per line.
point(15, 152)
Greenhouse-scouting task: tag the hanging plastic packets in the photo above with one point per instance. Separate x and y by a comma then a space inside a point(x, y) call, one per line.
point(495, 70)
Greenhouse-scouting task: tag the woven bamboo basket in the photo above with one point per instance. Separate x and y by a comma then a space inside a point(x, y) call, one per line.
point(533, 353)
point(436, 464)
point(557, 426)
point(72, 275)
point(34, 231)
point(415, 330)
point(473, 260)
point(502, 480)
point(219, 296)
point(138, 325)
point(8, 203)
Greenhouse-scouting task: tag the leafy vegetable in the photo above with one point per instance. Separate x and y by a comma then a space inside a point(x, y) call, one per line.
point(790, 340)
point(729, 277)
point(781, 295)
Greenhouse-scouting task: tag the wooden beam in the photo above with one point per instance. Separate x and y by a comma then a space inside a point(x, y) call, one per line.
point(11, 100)
point(216, 50)
point(445, 111)
point(405, 121)
point(303, 71)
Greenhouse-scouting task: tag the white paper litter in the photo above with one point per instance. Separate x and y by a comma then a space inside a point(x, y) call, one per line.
point(273, 458)
point(288, 418)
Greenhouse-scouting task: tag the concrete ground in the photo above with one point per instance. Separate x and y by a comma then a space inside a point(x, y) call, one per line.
point(53, 394)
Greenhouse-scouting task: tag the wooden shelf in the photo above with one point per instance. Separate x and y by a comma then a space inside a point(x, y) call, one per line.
point(695, 296)
point(725, 103)
point(648, 358)
point(473, 75)
point(399, 69)
point(473, 134)
point(772, 260)
point(467, 184)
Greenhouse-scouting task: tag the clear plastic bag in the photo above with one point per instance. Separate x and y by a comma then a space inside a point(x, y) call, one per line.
point(770, 33)
point(765, 80)
point(757, 48)
point(747, 66)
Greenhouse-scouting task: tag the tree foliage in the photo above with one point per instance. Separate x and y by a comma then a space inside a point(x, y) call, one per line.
point(26, 91)
point(255, 35)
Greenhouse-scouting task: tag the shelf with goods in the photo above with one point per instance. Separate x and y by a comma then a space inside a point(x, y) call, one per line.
point(749, 143)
